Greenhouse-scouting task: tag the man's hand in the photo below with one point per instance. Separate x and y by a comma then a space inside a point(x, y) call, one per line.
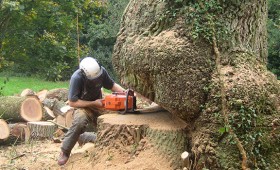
point(98, 103)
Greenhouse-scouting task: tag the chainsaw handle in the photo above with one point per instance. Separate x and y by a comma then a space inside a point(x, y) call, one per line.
point(103, 103)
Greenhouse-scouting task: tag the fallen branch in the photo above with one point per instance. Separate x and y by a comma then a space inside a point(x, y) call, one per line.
point(19, 156)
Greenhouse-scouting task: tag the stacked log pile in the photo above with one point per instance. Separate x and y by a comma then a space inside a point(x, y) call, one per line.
point(32, 115)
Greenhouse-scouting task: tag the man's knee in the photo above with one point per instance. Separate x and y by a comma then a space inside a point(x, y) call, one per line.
point(80, 118)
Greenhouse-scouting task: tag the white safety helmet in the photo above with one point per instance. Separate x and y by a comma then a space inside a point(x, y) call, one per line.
point(90, 67)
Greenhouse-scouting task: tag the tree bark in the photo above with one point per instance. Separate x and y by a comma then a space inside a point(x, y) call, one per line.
point(208, 67)
point(59, 94)
point(41, 130)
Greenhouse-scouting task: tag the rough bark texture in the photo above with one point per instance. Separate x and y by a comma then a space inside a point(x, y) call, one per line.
point(225, 92)
point(41, 130)
point(159, 66)
point(59, 94)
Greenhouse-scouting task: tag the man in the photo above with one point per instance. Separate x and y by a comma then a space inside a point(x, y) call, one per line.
point(85, 95)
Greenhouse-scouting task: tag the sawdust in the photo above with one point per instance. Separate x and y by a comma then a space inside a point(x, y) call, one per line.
point(42, 155)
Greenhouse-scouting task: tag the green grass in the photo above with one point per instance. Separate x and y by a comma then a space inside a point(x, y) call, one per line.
point(15, 85)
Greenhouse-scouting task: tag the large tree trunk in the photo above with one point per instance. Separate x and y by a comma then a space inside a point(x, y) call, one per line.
point(205, 62)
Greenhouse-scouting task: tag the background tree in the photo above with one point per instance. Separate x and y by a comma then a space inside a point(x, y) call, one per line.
point(273, 27)
point(102, 33)
point(41, 37)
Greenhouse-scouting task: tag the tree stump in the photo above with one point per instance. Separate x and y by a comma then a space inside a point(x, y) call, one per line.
point(14, 108)
point(42, 129)
point(164, 131)
point(5, 130)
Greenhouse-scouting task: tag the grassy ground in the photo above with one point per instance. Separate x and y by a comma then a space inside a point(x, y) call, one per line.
point(15, 85)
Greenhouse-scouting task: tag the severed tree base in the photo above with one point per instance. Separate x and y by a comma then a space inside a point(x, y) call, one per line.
point(161, 130)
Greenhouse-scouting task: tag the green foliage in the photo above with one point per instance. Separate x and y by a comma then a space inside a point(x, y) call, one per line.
point(102, 33)
point(273, 28)
point(202, 18)
point(41, 37)
point(243, 121)
point(5, 80)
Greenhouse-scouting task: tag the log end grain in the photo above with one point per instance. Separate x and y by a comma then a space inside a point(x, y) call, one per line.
point(31, 109)
point(5, 130)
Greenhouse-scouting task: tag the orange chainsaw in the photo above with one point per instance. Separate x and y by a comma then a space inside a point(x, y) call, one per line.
point(124, 102)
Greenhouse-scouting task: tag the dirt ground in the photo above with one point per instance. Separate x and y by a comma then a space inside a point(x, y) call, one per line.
point(42, 155)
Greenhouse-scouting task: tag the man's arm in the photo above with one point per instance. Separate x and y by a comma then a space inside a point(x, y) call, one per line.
point(83, 103)
point(117, 88)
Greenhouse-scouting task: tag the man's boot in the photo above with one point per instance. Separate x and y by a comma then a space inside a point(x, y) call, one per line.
point(63, 158)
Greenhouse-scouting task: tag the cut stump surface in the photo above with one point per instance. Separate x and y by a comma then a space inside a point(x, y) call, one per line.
point(165, 132)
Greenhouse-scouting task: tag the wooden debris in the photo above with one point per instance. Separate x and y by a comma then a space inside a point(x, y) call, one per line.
point(27, 92)
point(185, 160)
point(42, 95)
point(59, 94)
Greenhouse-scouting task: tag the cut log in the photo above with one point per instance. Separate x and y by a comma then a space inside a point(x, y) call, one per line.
point(41, 130)
point(48, 114)
point(66, 108)
point(161, 130)
point(17, 109)
point(60, 120)
point(55, 105)
point(5, 130)
point(27, 92)
point(20, 131)
point(42, 95)
point(59, 94)
point(69, 116)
